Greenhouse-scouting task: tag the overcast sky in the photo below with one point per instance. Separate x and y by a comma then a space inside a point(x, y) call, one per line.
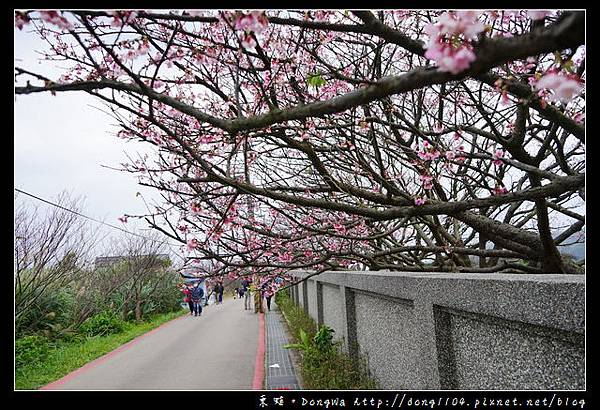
point(62, 143)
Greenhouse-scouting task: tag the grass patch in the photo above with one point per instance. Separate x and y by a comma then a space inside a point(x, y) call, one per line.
point(64, 357)
point(324, 365)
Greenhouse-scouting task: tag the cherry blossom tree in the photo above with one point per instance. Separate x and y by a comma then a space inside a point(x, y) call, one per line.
point(413, 140)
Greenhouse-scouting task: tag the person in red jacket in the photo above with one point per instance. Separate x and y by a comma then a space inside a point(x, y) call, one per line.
point(188, 299)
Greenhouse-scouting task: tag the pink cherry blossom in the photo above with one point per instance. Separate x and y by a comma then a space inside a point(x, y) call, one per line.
point(435, 154)
point(53, 17)
point(285, 257)
point(206, 139)
point(504, 100)
point(21, 19)
point(192, 244)
point(419, 201)
point(468, 23)
point(499, 190)
point(427, 181)
point(450, 59)
point(564, 87)
point(245, 22)
point(448, 40)
point(340, 228)
point(401, 13)
point(497, 157)
point(195, 208)
point(248, 42)
point(580, 118)
point(462, 22)
point(457, 61)
point(122, 17)
point(538, 14)
point(255, 21)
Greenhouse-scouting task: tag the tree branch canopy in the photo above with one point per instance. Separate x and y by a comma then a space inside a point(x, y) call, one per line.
point(403, 139)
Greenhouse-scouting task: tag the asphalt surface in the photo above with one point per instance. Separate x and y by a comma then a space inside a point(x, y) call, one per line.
point(215, 351)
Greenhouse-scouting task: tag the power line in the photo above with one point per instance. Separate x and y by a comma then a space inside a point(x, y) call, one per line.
point(96, 220)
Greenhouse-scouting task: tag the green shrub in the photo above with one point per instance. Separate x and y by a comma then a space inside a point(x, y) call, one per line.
point(102, 324)
point(324, 364)
point(50, 312)
point(323, 339)
point(31, 349)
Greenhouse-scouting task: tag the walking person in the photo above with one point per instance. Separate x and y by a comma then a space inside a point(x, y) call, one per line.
point(246, 288)
point(221, 290)
point(196, 295)
point(215, 293)
point(258, 297)
point(187, 299)
point(268, 295)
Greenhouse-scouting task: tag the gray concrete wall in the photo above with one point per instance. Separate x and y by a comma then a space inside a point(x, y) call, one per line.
point(333, 315)
point(311, 285)
point(457, 331)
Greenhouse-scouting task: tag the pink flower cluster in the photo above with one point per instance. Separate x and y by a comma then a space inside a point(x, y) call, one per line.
point(53, 17)
point(498, 155)
point(340, 229)
point(206, 139)
point(427, 181)
point(563, 86)
point(122, 17)
point(285, 257)
point(21, 19)
point(580, 118)
point(419, 201)
point(537, 14)
point(428, 153)
point(195, 208)
point(456, 152)
point(143, 48)
point(499, 190)
point(253, 22)
point(449, 40)
point(192, 244)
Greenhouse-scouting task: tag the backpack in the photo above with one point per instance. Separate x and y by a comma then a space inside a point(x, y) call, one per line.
point(197, 293)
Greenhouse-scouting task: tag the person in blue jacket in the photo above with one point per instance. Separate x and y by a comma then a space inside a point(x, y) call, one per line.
point(196, 295)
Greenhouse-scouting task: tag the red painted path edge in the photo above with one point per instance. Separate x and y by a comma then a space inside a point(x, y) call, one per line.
point(101, 359)
point(259, 365)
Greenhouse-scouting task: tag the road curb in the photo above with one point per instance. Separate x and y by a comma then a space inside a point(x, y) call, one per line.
point(259, 365)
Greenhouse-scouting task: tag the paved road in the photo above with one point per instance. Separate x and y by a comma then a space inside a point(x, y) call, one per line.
point(215, 351)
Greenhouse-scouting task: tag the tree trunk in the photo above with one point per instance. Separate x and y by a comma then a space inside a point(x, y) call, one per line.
point(138, 309)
